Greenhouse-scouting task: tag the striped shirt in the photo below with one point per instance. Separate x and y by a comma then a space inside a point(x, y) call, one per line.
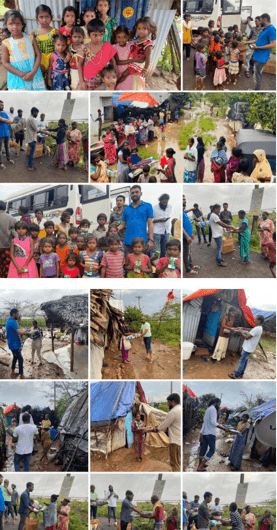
point(236, 521)
point(93, 261)
point(113, 261)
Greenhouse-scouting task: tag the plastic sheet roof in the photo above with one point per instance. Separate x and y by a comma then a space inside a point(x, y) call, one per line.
point(110, 400)
point(266, 314)
point(263, 410)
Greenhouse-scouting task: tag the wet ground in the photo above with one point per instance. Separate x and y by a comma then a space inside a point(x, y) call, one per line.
point(219, 461)
point(222, 129)
point(36, 463)
point(159, 81)
point(258, 366)
point(10, 526)
point(244, 83)
point(205, 257)
point(166, 365)
point(155, 459)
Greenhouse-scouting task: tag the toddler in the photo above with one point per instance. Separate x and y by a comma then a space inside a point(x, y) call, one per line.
point(108, 76)
point(58, 70)
point(170, 266)
point(71, 269)
point(145, 175)
point(138, 264)
point(49, 261)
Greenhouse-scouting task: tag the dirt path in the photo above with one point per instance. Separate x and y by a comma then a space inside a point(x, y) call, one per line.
point(36, 464)
point(206, 257)
point(257, 368)
point(222, 129)
point(268, 81)
point(155, 459)
point(166, 364)
point(10, 526)
point(218, 462)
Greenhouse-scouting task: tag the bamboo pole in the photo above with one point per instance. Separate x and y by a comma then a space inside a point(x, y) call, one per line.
point(72, 352)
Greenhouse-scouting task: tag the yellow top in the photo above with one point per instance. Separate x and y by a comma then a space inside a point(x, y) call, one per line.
point(186, 32)
point(21, 45)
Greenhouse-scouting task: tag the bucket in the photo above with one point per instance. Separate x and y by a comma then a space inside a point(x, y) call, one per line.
point(187, 350)
point(31, 524)
point(53, 433)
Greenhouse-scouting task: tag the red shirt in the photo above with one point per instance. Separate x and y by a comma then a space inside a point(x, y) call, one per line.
point(71, 273)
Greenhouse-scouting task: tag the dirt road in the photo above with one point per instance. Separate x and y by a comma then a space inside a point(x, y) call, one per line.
point(222, 129)
point(258, 367)
point(206, 257)
point(155, 459)
point(166, 365)
point(10, 526)
point(219, 461)
point(244, 83)
point(36, 464)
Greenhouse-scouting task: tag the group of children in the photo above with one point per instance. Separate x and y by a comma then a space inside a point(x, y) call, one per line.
point(87, 54)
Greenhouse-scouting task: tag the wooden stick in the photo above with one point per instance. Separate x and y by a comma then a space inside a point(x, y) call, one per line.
point(263, 351)
point(72, 352)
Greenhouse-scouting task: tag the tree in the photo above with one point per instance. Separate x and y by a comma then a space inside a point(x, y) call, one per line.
point(251, 401)
point(21, 305)
point(205, 399)
point(262, 109)
point(132, 316)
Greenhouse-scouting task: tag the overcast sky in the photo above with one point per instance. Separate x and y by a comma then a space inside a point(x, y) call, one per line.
point(140, 484)
point(151, 301)
point(231, 393)
point(159, 390)
point(44, 295)
point(28, 393)
point(47, 484)
point(238, 196)
point(257, 8)
point(258, 296)
point(224, 486)
point(151, 193)
point(48, 103)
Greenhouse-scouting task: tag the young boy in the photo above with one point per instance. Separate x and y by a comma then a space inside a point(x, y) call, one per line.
point(200, 66)
point(84, 227)
point(73, 233)
point(100, 230)
point(144, 176)
point(49, 229)
point(113, 261)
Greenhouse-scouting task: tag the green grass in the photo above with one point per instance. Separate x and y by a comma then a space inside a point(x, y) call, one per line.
point(169, 330)
point(208, 139)
point(269, 344)
point(257, 510)
point(26, 322)
point(142, 524)
point(185, 134)
point(50, 142)
point(147, 152)
point(78, 517)
point(206, 124)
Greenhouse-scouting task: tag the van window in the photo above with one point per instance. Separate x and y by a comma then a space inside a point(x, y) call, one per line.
point(199, 6)
point(51, 198)
point(91, 193)
point(231, 7)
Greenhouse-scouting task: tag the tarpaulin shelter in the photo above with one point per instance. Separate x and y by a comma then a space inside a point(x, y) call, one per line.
point(190, 410)
point(204, 310)
point(11, 412)
point(261, 439)
point(269, 324)
point(112, 406)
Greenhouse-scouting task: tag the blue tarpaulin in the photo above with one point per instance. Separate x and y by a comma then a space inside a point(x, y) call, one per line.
point(266, 314)
point(263, 410)
point(109, 400)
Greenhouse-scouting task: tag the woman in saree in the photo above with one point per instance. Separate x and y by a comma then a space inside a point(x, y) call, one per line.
point(249, 520)
point(266, 522)
point(266, 229)
point(244, 237)
point(238, 446)
point(63, 515)
point(224, 335)
point(74, 138)
point(218, 163)
point(45, 431)
point(139, 431)
point(262, 171)
point(233, 163)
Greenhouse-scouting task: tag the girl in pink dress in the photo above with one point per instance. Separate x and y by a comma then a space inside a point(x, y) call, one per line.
point(138, 264)
point(22, 250)
point(122, 46)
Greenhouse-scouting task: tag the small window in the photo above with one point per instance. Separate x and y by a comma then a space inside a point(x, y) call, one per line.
point(93, 193)
point(199, 6)
point(231, 7)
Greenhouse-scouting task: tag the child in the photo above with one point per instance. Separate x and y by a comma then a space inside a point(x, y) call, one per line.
point(102, 11)
point(98, 169)
point(49, 229)
point(170, 266)
point(58, 70)
point(163, 126)
point(100, 230)
point(20, 55)
point(113, 230)
point(103, 245)
point(200, 67)
point(152, 179)
point(77, 37)
point(44, 36)
point(216, 46)
point(168, 171)
point(144, 176)
point(60, 156)
point(64, 224)
point(22, 250)
point(122, 45)
point(62, 249)
point(113, 261)
point(234, 63)
point(108, 76)
point(173, 521)
point(219, 73)
point(50, 514)
point(34, 232)
point(88, 15)
point(110, 152)
point(69, 20)
point(226, 51)
point(94, 56)
point(242, 48)
point(125, 347)
point(72, 233)
point(71, 269)
point(49, 261)
point(272, 255)
point(138, 264)
point(84, 227)
point(91, 258)
point(141, 48)
point(81, 246)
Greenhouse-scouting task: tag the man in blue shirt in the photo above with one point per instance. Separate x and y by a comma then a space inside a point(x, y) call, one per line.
point(265, 42)
point(2, 504)
point(188, 237)
point(14, 343)
point(25, 506)
point(136, 218)
point(4, 135)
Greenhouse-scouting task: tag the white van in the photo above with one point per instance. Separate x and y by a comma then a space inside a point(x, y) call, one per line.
point(224, 13)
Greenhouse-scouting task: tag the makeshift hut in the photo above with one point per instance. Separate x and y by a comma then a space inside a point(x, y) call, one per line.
point(269, 325)
point(190, 410)
point(106, 326)
point(261, 440)
point(11, 411)
point(112, 407)
point(69, 313)
point(203, 312)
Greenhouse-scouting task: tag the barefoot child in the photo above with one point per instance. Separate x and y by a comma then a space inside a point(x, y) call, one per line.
point(44, 36)
point(123, 47)
point(34, 233)
point(58, 70)
point(234, 63)
point(62, 250)
point(113, 260)
point(108, 78)
point(137, 263)
point(22, 251)
point(49, 260)
point(200, 66)
point(77, 37)
point(170, 266)
point(219, 73)
point(91, 258)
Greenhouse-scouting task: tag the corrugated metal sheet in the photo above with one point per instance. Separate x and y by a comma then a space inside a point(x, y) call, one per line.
point(191, 318)
point(164, 19)
point(56, 6)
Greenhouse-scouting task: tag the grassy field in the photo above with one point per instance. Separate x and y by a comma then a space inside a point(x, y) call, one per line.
point(51, 141)
point(26, 322)
point(142, 524)
point(78, 517)
point(257, 510)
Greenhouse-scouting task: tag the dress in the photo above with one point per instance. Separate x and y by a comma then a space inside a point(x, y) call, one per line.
point(266, 233)
point(223, 339)
point(250, 519)
point(123, 54)
point(139, 438)
point(73, 149)
point(232, 166)
point(73, 273)
point(234, 62)
point(46, 46)
point(245, 241)
point(60, 73)
point(74, 74)
point(110, 153)
point(220, 73)
point(60, 155)
point(22, 57)
point(85, 53)
point(110, 24)
point(169, 172)
point(22, 249)
point(219, 157)
point(66, 33)
point(138, 49)
point(238, 446)
point(62, 253)
point(137, 266)
point(45, 435)
point(63, 518)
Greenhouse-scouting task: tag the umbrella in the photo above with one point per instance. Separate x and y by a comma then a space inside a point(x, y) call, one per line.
point(143, 97)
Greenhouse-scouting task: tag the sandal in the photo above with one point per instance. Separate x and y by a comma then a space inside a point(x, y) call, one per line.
point(247, 74)
point(10, 162)
point(222, 264)
point(192, 273)
point(2, 166)
point(196, 268)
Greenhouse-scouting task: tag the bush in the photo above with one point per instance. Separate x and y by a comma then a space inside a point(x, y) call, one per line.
point(187, 132)
point(143, 524)
point(206, 124)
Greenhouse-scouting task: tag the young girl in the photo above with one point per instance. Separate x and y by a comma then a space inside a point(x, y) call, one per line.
point(58, 71)
point(69, 19)
point(170, 266)
point(22, 250)
point(140, 51)
point(77, 37)
point(234, 63)
point(110, 151)
point(20, 55)
point(49, 260)
point(62, 250)
point(91, 258)
point(34, 232)
point(169, 171)
point(200, 66)
point(88, 15)
point(113, 230)
point(64, 224)
point(113, 260)
point(44, 36)
point(122, 46)
point(60, 156)
point(71, 269)
point(102, 11)
point(81, 247)
point(219, 73)
point(138, 264)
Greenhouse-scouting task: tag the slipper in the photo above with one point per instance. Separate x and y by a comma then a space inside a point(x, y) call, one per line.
point(192, 273)
point(247, 74)
point(196, 268)
point(10, 162)
point(2, 166)
point(222, 264)
point(151, 361)
point(201, 470)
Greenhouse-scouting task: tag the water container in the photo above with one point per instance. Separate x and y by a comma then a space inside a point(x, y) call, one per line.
point(53, 433)
point(187, 350)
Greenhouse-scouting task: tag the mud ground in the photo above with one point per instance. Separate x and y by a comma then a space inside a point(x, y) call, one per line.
point(218, 462)
point(10, 526)
point(166, 365)
point(155, 459)
point(257, 367)
point(36, 464)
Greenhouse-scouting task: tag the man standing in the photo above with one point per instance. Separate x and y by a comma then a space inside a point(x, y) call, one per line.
point(116, 215)
point(217, 232)
point(198, 218)
point(24, 436)
point(251, 39)
point(11, 116)
point(204, 514)
point(172, 422)
point(19, 135)
point(162, 224)
point(25, 506)
point(217, 510)
point(208, 434)
point(147, 338)
point(226, 215)
point(126, 510)
point(41, 138)
point(2, 504)
point(266, 41)
point(4, 135)
point(251, 341)
point(188, 237)
point(157, 515)
point(111, 497)
point(36, 336)
point(14, 343)
point(7, 224)
point(31, 136)
point(14, 500)
point(136, 218)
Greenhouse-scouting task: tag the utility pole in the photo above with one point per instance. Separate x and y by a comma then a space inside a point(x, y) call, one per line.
point(241, 480)
point(255, 217)
point(68, 95)
point(54, 395)
point(139, 299)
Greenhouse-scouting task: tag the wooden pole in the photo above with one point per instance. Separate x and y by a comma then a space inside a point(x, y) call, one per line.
point(52, 337)
point(72, 352)
point(255, 217)
point(241, 479)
